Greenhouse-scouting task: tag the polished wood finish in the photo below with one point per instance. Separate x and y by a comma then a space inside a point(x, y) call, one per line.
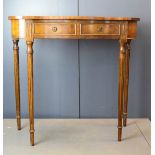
point(30, 88)
point(75, 18)
point(120, 87)
point(99, 29)
point(17, 82)
point(123, 29)
point(54, 29)
point(72, 27)
point(126, 82)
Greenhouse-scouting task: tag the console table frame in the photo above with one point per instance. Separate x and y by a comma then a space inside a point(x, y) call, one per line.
point(72, 27)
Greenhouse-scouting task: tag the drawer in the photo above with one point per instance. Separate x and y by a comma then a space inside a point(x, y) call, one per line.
point(54, 29)
point(100, 29)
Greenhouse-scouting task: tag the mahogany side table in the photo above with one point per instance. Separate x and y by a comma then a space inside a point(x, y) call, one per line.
point(122, 29)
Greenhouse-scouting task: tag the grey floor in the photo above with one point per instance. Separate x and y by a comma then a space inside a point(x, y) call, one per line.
point(78, 137)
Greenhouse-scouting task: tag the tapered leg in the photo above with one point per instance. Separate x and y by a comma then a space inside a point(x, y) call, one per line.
point(17, 82)
point(126, 82)
point(30, 89)
point(120, 87)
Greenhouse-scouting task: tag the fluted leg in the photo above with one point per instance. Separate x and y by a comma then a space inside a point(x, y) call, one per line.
point(120, 89)
point(30, 89)
point(126, 82)
point(17, 82)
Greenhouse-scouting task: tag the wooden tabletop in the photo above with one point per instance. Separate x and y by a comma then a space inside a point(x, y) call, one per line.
point(75, 18)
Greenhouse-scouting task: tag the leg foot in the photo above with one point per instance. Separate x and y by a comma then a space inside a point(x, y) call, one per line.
point(119, 133)
point(18, 123)
point(124, 119)
point(32, 137)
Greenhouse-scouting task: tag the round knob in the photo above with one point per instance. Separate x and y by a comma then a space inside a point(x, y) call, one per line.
point(54, 29)
point(99, 29)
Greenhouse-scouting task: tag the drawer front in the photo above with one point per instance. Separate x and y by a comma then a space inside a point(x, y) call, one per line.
point(100, 29)
point(54, 29)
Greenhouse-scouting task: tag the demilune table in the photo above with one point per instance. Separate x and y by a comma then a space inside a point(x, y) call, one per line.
point(72, 27)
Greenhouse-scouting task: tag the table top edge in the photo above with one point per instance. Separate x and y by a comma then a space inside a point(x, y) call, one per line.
point(73, 18)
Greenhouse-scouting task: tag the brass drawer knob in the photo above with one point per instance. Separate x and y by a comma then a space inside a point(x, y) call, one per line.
point(100, 29)
point(54, 29)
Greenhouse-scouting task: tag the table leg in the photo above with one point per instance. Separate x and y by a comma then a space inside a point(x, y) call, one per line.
point(120, 87)
point(30, 88)
point(17, 82)
point(126, 82)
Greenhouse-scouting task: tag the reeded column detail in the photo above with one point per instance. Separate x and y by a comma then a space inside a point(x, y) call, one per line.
point(126, 82)
point(120, 87)
point(17, 82)
point(30, 88)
